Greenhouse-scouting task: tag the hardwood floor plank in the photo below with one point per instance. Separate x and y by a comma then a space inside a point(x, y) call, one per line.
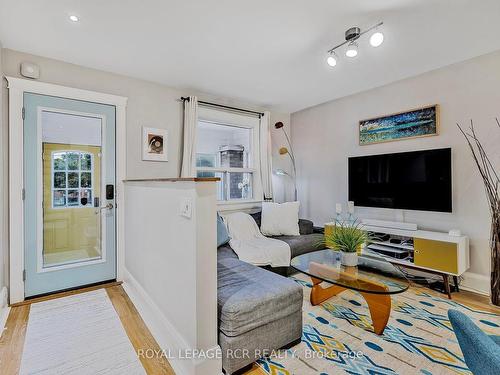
point(470, 299)
point(138, 333)
point(12, 340)
point(66, 293)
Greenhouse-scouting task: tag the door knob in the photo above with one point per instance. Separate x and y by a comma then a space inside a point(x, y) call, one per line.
point(109, 206)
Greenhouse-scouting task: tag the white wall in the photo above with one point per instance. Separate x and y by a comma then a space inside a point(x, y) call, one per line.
point(325, 135)
point(171, 267)
point(3, 188)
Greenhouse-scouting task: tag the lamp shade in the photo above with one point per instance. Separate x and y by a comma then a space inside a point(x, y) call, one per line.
point(278, 125)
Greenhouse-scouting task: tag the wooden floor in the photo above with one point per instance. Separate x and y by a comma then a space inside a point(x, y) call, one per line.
point(12, 339)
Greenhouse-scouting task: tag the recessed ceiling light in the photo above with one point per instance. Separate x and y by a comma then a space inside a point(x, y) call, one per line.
point(74, 18)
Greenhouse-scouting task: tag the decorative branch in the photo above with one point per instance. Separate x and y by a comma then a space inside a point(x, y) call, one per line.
point(491, 182)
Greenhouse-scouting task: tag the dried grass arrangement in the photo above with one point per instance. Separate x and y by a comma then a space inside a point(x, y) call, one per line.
point(491, 182)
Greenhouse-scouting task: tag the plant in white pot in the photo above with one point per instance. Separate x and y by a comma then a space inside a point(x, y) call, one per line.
point(348, 238)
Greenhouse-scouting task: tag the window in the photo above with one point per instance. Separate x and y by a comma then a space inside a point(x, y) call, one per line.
point(225, 149)
point(72, 183)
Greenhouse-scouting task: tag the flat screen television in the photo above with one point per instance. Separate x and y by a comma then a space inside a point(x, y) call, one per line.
point(417, 180)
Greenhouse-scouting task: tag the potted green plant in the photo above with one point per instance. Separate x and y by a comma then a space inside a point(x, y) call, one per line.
point(348, 239)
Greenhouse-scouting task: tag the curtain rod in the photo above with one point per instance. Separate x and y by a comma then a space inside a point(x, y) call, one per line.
point(260, 114)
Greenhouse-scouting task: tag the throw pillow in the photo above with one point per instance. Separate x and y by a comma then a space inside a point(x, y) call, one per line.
point(280, 219)
point(222, 235)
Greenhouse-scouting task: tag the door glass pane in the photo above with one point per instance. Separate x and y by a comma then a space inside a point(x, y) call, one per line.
point(86, 179)
point(59, 179)
point(71, 163)
point(73, 179)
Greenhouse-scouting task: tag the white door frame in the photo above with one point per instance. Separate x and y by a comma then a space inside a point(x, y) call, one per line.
point(17, 87)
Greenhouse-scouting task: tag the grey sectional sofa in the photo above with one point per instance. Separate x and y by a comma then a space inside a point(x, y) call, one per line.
point(259, 310)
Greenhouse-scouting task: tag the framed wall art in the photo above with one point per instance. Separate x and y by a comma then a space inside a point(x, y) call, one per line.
point(154, 144)
point(421, 122)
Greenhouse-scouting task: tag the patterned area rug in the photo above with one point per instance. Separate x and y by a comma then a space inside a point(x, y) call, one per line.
point(338, 338)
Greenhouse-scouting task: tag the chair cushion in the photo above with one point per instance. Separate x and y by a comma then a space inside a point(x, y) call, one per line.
point(249, 297)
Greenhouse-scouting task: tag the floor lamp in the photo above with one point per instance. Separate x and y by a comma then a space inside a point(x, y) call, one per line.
point(287, 151)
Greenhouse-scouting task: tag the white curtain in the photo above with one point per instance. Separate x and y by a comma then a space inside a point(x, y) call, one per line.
point(266, 165)
point(188, 168)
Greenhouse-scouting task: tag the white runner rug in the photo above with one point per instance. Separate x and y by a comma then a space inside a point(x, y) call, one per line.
point(79, 334)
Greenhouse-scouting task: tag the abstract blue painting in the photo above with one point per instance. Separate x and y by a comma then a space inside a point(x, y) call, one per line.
point(415, 123)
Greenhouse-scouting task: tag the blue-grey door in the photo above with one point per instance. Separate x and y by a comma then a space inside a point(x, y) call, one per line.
point(69, 202)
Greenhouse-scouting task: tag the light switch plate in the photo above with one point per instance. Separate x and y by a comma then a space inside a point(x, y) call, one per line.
point(185, 208)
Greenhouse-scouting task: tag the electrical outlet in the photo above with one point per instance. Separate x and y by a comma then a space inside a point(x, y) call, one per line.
point(186, 207)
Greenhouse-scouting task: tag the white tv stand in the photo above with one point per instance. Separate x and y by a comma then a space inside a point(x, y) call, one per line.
point(427, 251)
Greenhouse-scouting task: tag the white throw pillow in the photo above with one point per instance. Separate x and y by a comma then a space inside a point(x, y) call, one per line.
point(280, 219)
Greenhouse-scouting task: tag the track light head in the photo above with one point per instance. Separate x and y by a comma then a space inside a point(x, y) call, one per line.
point(376, 39)
point(352, 50)
point(331, 59)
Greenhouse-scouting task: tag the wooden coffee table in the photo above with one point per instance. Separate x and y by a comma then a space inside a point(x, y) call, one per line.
point(374, 278)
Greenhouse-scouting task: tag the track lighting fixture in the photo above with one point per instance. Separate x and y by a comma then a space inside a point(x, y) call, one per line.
point(351, 37)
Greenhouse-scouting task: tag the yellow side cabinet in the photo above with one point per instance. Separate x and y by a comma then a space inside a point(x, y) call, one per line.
point(437, 255)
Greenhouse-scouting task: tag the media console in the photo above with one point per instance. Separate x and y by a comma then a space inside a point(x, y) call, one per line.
point(427, 251)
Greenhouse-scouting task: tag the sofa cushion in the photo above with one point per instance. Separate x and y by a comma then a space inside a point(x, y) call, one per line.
point(226, 251)
point(302, 244)
point(280, 219)
point(305, 226)
point(249, 297)
point(222, 235)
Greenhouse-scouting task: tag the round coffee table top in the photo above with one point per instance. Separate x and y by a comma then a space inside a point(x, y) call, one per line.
point(373, 274)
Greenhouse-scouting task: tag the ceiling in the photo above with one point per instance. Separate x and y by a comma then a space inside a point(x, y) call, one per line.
point(267, 52)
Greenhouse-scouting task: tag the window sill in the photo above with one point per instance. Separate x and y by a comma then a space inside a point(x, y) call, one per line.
point(238, 205)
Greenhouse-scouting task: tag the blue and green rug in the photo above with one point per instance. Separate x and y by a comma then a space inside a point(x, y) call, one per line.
point(337, 337)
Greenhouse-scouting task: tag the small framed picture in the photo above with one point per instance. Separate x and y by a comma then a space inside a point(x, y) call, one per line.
point(154, 144)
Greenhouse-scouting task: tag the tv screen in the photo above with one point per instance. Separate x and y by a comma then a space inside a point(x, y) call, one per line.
point(418, 180)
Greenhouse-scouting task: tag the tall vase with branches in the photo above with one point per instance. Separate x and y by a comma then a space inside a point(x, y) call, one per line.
point(491, 182)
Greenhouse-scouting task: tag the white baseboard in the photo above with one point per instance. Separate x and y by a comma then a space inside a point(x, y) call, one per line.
point(475, 282)
point(167, 336)
point(4, 309)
